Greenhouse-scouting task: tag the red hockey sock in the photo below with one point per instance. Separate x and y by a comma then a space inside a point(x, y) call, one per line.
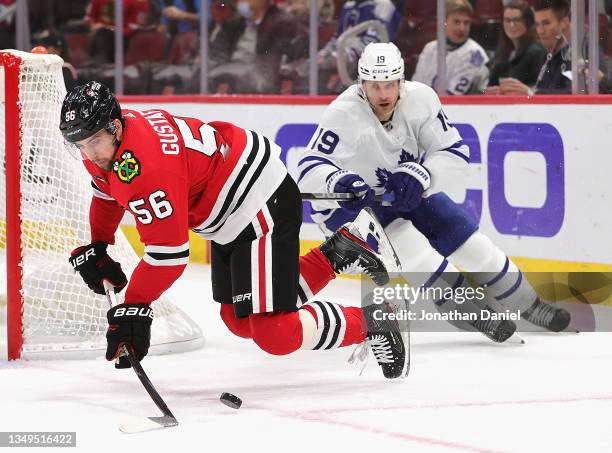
point(315, 272)
point(238, 326)
point(277, 333)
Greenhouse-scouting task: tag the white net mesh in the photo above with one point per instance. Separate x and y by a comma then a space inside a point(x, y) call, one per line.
point(60, 313)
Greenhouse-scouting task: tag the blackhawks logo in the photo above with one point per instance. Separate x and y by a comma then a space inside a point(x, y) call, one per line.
point(128, 167)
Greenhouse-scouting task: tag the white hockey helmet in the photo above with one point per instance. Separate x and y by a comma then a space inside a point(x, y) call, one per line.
point(381, 61)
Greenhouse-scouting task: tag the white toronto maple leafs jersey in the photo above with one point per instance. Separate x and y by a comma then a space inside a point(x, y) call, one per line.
point(350, 137)
point(465, 67)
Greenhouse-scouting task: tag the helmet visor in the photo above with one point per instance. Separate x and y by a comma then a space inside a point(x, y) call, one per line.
point(95, 148)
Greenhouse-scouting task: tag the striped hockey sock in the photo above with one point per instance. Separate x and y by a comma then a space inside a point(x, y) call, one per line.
point(326, 325)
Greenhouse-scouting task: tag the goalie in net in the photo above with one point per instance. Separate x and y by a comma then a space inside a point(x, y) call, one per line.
point(228, 184)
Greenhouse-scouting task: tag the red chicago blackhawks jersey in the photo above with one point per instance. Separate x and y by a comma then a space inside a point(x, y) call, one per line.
point(175, 174)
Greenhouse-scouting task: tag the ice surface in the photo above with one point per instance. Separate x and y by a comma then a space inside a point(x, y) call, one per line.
point(463, 394)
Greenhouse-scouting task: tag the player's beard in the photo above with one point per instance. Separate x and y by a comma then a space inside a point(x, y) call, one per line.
point(383, 113)
point(107, 164)
point(104, 164)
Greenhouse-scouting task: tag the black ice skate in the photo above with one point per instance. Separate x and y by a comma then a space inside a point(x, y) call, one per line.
point(494, 329)
point(544, 315)
point(385, 340)
point(350, 254)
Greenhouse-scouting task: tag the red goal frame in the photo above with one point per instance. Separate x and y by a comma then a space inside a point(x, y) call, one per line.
point(12, 118)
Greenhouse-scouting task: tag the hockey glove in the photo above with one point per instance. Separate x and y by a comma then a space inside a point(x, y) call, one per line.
point(407, 184)
point(95, 266)
point(129, 325)
point(344, 181)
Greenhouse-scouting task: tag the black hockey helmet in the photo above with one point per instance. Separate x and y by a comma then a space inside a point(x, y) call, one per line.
point(87, 109)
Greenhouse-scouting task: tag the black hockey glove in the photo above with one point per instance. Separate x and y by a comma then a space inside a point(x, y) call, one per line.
point(95, 266)
point(130, 325)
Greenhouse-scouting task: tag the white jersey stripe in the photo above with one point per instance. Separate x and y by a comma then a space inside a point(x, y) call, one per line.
point(166, 249)
point(268, 259)
point(99, 194)
point(229, 183)
point(166, 262)
point(256, 227)
point(259, 156)
point(255, 275)
point(254, 189)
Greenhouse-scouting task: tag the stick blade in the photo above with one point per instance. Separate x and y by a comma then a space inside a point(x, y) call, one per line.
point(143, 424)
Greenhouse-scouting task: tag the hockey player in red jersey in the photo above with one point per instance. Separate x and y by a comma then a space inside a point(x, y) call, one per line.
point(228, 184)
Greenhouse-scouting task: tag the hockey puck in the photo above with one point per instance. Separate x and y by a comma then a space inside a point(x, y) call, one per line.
point(230, 400)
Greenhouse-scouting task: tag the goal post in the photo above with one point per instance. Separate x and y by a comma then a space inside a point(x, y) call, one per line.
point(45, 195)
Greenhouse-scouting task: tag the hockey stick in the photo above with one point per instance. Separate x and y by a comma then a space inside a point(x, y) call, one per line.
point(141, 424)
point(385, 197)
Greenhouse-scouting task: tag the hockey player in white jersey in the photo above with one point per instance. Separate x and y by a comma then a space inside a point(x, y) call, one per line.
point(466, 60)
point(387, 135)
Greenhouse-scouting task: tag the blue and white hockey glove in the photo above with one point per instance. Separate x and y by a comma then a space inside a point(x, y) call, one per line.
point(407, 184)
point(344, 181)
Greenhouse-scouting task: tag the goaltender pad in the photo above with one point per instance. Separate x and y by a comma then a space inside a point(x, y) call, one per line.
point(45, 193)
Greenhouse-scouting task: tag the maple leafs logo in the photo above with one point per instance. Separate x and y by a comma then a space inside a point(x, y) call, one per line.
point(382, 174)
point(405, 156)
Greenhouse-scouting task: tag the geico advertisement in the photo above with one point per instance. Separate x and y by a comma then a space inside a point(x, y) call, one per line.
point(538, 180)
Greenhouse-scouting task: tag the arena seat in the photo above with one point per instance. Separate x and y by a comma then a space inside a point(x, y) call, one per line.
point(183, 46)
point(146, 46)
point(489, 10)
point(78, 45)
point(419, 10)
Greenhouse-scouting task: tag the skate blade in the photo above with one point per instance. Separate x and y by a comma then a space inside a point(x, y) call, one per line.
point(570, 329)
point(367, 220)
point(515, 339)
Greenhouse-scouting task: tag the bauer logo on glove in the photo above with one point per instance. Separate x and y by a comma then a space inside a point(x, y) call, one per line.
point(95, 266)
point(130, 325)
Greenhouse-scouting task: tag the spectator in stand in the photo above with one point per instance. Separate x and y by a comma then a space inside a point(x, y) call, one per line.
point(268, 35)
point(466, 70)
point(552, 22)
point(518, 53)
point(182, 74)
point(63, 16)
point(225, 31)
point(179, 16)
point(100, 17)
point(353, 13)
point(302, 8)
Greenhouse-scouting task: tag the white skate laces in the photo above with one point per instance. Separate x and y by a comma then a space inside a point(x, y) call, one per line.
point(380, 348)
point(355, 267)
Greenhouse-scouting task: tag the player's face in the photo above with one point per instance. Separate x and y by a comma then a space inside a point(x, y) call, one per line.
point(100, 148)
point(548, 28)
point(382, 97)
point(458, 27)
point(514, 25)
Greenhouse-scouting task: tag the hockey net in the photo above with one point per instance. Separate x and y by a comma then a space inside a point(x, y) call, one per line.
point(44, 203)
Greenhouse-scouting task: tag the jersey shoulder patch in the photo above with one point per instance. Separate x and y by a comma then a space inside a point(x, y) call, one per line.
point(476, 58)
point(127, 166)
